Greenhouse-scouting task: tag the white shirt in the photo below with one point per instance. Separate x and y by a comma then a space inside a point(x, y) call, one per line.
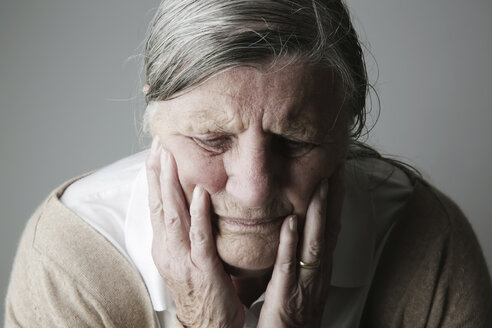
point(113, 200)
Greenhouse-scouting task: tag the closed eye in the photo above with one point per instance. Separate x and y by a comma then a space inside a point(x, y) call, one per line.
point(215, 145)
point(290, 147)
point(286, 147)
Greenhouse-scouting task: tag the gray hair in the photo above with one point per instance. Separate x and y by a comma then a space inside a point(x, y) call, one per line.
point(192, 40)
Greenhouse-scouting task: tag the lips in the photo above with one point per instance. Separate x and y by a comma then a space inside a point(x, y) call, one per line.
point(255, 222)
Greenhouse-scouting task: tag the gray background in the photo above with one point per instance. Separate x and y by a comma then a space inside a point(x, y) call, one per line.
point(70, 96)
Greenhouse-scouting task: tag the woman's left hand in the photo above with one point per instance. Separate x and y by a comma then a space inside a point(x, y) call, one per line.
point(295, 296)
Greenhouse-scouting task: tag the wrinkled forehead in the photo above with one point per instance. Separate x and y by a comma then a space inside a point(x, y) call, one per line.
point(283, 96)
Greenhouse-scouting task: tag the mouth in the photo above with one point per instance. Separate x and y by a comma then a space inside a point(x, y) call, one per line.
point(251, 223)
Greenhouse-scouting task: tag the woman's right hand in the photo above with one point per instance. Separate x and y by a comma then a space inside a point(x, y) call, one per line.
point(183, 249)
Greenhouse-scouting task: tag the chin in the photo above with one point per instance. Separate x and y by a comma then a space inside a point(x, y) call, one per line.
point(249, 253)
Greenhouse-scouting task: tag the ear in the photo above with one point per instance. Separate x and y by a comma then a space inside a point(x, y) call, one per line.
point(145, 89)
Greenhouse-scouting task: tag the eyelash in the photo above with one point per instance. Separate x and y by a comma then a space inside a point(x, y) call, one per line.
point(286, 147)
point(292, 148)
point(215, 145)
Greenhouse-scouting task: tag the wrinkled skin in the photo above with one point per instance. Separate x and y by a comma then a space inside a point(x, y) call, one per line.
point(263, 151)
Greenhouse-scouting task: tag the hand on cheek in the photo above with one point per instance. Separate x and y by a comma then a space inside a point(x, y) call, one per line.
point(183, 248)
point(296, 294)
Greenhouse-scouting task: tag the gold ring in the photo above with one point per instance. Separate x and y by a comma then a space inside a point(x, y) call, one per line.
point(309, 266)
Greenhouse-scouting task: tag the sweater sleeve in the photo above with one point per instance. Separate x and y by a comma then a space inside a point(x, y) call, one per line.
point(43, 294)
point(432, 272)
point(65, 274)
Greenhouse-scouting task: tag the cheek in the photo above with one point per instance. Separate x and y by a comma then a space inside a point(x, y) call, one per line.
point(195, 167)
point(306, 174)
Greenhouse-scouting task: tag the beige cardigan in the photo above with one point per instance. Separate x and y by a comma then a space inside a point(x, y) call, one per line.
point(431, 274)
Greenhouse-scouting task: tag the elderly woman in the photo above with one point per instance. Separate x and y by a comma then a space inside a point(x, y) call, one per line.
point(256, 206)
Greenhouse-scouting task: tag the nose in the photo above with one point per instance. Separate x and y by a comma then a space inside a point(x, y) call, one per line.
point(250, 174)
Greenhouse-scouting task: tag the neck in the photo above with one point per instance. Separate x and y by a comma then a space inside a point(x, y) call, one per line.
point(250, 285)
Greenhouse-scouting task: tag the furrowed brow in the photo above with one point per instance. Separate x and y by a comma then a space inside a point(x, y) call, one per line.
point(204, 121)
point(298, 128)
point(304, 130)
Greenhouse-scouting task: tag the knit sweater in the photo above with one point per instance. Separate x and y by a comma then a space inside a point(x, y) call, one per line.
point(431, 273)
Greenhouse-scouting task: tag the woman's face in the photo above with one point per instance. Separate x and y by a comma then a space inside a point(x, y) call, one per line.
point(259, 142)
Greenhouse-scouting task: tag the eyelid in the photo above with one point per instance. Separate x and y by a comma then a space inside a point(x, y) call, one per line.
point(294, 139)
point(205, 142)
point(325, 140)
point(211, 135)
point(290, 147)
point(218, 143)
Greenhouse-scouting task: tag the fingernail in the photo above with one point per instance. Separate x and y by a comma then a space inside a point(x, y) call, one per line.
point(195, 203)
point(293, 223)
point(197, 192)
point(323, 192)
point(155, 144)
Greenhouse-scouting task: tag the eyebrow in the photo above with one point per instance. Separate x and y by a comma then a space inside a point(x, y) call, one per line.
point(296, 130)
point(206, 119)
point(216, 120)
point(304, 130)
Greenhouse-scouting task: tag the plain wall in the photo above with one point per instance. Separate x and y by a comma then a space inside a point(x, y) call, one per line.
point(70, 96)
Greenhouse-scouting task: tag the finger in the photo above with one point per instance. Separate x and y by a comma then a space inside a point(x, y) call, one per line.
point(334, 203)
point(285, 269)
point(336, 195)
point(313, 239)
point(153, 169)
point(176, 216)
point(203, 252)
